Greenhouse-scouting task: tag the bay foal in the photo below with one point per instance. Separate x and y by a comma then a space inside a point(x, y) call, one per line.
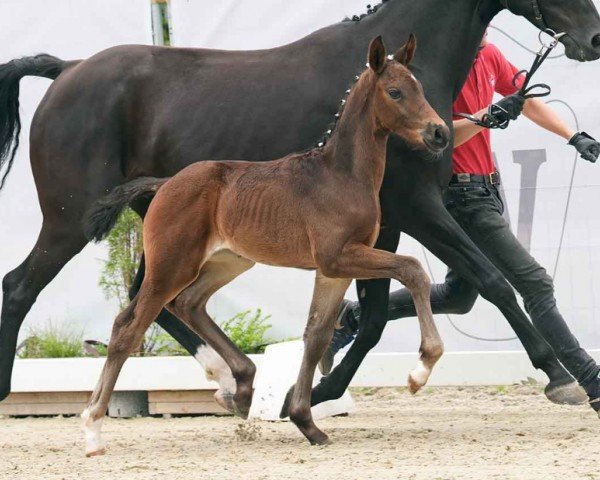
point(315, 210)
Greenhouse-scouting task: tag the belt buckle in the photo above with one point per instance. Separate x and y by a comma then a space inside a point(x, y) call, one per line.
point(494, 178)
point(463, 177)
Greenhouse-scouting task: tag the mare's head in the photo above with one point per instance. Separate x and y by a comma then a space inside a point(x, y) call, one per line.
point(399, 103)
point(577, 19)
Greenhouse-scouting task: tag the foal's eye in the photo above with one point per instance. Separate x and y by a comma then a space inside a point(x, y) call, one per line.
point(395, 94)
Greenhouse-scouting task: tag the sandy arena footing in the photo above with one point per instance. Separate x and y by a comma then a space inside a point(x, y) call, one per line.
point(441, 434)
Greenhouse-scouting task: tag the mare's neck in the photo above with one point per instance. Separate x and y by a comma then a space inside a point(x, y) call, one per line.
point(449, 33)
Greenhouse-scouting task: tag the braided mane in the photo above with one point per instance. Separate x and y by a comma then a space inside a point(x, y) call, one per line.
point(370, 10)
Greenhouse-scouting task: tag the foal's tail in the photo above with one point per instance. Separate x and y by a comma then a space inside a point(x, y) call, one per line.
point(10, 123)
point(102, 215)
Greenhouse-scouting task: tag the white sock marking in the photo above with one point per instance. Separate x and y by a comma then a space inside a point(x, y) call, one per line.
point(93, 434)
point(420, 374)
point(216, 369)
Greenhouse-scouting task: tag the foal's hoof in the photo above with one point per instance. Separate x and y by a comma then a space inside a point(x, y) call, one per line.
point(285, 409)
point(565, 393)
point(416, 379)
point(95, 452)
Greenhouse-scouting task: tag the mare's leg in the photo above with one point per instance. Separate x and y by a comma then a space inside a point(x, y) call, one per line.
point(190, 306)
point(57, 243)
point(327, 295)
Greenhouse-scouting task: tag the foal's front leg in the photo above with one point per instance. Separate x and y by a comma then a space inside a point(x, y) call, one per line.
point(327, 295)
point(366, 263)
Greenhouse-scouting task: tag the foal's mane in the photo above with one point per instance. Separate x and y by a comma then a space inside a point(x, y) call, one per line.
point(352, 90)
point(331, 127)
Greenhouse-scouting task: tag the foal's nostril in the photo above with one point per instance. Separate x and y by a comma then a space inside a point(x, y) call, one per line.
point(436, 136)
point(596, 41)
point(439, 136)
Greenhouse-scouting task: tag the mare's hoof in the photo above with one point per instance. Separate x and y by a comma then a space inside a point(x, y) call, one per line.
point(96, 452)
point(565, 393)
point(319, 439)
point(225, 400)
point(242, 403)
point(285, 409)
point(242, 413)
point(4, 392)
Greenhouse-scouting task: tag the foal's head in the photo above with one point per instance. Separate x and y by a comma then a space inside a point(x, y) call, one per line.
point(399, 104)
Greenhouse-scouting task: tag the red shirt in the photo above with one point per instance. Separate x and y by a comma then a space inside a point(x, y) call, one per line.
point(490, 73)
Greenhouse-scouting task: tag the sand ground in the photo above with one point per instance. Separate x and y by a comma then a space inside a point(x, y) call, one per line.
point(441, 434)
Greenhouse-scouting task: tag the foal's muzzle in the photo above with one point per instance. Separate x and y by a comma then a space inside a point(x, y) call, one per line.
point(436, 137)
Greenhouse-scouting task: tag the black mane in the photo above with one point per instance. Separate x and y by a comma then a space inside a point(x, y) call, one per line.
point(370, 10)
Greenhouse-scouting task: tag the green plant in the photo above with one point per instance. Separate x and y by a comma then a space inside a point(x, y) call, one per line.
point(124, 254)
point(52, 341)
point(247, 330)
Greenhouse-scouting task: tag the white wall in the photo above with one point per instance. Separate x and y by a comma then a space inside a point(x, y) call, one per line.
point(73, 29)
point(68, 29)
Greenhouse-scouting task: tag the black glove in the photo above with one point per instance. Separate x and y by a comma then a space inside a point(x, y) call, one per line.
point(586, 145)
point(509, 108)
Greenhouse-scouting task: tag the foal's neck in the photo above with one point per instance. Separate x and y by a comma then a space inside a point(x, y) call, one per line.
point(358, 145)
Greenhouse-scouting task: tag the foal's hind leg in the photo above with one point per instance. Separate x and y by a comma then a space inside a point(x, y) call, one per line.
point(214, 366)
point(327, 295)
point(168, 279)
point(190, 306)
point(127, 334)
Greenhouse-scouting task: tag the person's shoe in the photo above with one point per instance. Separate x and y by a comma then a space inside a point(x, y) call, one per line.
point(593, 392)
point(346, 327)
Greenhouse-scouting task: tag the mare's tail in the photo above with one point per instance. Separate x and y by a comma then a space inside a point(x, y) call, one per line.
point(102, 215)
point(10, 122)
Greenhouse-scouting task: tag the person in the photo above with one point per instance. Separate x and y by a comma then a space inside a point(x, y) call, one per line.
point(474, 201)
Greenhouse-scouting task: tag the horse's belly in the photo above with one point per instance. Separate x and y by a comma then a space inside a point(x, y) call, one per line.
point(278, 248)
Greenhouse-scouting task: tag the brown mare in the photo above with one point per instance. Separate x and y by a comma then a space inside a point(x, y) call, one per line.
point(316, 210)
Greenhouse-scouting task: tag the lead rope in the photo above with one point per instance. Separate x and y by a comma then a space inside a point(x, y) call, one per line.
point(490, 120)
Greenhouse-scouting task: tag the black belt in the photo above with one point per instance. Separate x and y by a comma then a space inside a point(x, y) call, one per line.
point(491, 179)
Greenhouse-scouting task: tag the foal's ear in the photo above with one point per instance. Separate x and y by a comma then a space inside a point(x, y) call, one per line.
point(377, 57)
point(407, 51)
